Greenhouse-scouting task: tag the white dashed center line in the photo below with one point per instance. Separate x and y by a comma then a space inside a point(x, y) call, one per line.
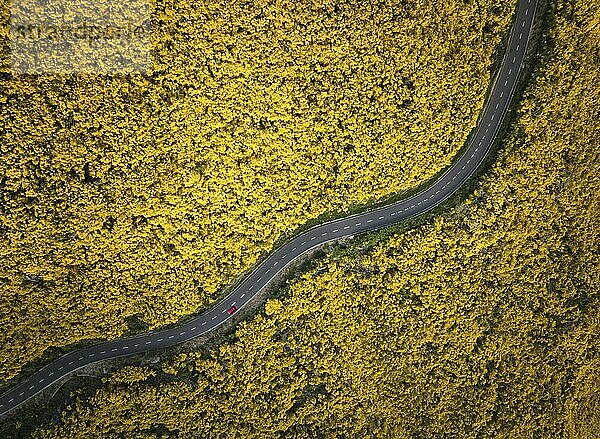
point(424, 196)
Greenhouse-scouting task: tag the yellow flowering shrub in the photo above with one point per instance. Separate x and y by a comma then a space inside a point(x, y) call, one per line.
point(482, 323)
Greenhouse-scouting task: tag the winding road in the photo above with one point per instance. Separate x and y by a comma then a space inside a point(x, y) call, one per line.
point(498, 103)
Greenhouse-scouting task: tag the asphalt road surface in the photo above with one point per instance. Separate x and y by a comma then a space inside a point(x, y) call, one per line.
point(488, 126)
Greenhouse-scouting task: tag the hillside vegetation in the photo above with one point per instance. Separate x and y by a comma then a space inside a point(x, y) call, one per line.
point(128, 201)
point(483, 323)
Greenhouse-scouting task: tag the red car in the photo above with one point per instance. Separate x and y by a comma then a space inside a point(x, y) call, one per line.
point(232, 310)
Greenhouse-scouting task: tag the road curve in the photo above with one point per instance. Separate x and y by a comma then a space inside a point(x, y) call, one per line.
point(499, 100)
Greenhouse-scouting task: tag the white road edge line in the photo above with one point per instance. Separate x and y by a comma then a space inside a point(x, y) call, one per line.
point(324, 234)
